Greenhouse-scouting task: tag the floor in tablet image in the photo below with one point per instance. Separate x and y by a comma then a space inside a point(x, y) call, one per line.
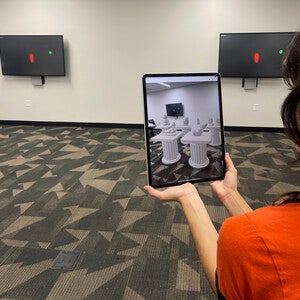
point(182, 171)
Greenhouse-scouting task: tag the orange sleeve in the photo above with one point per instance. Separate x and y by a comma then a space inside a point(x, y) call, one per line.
point(244, 264)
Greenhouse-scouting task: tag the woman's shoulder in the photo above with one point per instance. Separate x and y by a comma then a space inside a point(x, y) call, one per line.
point(235, 229)
point(266, 215)
point(262, 224)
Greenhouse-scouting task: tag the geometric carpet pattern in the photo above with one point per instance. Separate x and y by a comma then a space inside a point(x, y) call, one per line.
point(80, 190)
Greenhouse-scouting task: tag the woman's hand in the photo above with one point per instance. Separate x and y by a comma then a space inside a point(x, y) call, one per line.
point(175, 193)
point(226, 190)
point(225, 187)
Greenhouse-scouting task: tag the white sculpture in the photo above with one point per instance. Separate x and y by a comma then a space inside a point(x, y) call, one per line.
point(165, 121)
point(172, 130)
point(186, 121)
point(210, 122)
point(198, 128)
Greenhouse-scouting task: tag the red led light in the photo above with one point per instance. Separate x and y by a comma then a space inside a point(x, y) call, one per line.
point(31, 58)
point(256, 57)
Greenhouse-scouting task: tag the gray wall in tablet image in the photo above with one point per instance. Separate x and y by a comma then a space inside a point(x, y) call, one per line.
point(199, 100)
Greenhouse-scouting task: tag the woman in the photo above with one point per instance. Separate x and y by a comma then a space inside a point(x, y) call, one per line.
point(256, 254)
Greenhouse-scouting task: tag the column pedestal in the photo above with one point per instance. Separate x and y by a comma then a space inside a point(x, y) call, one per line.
point(170, 146)
point(198, 145)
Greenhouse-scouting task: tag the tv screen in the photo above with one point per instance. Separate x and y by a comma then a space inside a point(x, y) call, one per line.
point(174, 110)
point(32, 55)
point(252, 54)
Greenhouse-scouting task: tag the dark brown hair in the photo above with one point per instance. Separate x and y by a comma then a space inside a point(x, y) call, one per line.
point(290, 110)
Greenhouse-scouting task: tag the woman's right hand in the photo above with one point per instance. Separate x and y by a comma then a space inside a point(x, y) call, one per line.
point(224, 188)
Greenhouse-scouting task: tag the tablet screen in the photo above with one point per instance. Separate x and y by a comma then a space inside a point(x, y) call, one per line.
point(183, 128)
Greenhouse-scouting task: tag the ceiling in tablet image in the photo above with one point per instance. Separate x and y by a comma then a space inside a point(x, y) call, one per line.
point(161, 86)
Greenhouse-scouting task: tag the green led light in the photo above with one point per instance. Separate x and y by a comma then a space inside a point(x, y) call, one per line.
point(50, 52)
point(280, 51)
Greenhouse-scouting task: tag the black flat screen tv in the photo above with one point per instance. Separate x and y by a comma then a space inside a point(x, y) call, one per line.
point(174, 110)
point(252, 54)
point(32, 55)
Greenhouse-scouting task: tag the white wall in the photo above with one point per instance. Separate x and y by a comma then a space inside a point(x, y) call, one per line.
point(110, 44)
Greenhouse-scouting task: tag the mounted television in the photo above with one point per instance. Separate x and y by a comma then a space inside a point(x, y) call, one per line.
point(174, 110)
point(252, 54)
point(32, 55)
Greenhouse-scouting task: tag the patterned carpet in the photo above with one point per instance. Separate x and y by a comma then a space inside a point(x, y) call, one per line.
point(80, 190)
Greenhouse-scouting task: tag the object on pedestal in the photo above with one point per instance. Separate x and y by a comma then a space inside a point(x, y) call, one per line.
point(186, 121)
point(171, 130)
point(215, 130)
point(198, 128)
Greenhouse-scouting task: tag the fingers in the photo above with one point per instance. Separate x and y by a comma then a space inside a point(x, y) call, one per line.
point(229, 163)
point(214, 183)
point(149, 189)
point(153, 192)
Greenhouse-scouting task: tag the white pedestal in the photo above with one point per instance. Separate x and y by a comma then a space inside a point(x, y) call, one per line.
point(170, 147)
point(215, 135)
point(198, 146)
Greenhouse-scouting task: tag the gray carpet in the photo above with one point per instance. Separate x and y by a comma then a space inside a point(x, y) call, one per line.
point(80, 190)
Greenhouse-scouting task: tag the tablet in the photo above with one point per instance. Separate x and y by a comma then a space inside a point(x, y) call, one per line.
point(183, 128)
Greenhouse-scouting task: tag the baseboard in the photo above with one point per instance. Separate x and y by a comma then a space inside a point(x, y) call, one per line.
point(70, 124)
point(126, 125)
point(253, 129)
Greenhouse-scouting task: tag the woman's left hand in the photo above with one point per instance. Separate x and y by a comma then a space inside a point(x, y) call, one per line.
point(173, 193)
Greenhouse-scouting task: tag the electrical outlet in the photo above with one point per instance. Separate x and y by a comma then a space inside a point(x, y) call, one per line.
point(27, 103)
point(255, 107)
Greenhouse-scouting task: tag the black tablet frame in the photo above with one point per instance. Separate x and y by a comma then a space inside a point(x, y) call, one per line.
point(221, 149)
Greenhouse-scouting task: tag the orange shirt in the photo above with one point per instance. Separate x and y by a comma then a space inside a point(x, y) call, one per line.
point(259, 254)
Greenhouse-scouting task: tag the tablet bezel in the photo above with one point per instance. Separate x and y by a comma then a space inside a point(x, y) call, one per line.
point(147, 136)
